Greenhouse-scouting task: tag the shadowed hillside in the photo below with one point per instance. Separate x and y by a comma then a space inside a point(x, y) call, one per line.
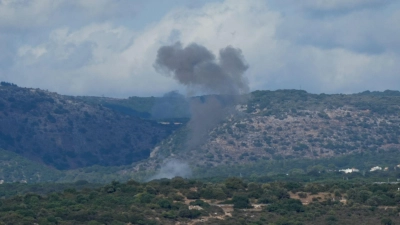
point(65, 132)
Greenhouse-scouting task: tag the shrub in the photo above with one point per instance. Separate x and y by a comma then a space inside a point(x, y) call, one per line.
point(241, 202)
point(51, 118)
point(169, 215)
point(187, 213)
point(302, 195)
point(193, 195)
point(200, 203)
point(164, 203)
point(234, 183)
point(387, 221)
point(286, 205)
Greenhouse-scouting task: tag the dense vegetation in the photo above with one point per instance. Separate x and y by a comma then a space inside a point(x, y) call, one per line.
point(291, 124)
point(171, 107)
point(278, 103)
point(76, 132)
point(15, 168)
point(232, 201)
point(288, 102)
point(8, 190)
point(65, 133)
point(57, 152)
point(298, 167)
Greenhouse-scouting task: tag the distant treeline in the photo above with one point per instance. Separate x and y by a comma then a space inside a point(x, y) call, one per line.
point(3, 83)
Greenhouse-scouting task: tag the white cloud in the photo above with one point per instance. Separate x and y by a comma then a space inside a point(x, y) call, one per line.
point(367, 31)
point(334, 5)
point(347, 52)
point(337, 70)
point(17, 14)
point(35, 14)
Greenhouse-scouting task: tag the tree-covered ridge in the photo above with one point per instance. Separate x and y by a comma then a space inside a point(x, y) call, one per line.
point(171, 107)
point(285, 124)
point(287, 102)
point(106, 139)
point(8, 190)
point(233, 201)
point(64, 132)
point(275, 102)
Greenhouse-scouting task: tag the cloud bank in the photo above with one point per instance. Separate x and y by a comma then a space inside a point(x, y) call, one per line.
point(96, 47)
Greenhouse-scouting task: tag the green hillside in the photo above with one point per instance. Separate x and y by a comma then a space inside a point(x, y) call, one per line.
point(15, 168)
point(66, 133)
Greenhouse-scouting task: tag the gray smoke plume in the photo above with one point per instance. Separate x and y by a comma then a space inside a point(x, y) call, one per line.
point(198, 68)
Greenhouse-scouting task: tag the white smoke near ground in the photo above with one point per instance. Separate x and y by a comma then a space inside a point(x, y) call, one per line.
point(173, 168)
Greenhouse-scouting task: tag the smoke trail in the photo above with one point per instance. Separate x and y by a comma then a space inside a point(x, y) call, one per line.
point(200, 71)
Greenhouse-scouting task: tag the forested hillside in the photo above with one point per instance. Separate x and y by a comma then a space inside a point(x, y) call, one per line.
point(291, 124)
point(64, 132)
point(104, 139)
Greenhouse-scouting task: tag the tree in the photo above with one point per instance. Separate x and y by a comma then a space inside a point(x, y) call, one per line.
point(387, 221)
point(187, 213)
point(241, 202)
point(164, 203)
point(193, 195)
point(234, 183)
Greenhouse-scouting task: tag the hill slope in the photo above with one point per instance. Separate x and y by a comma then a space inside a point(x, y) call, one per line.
point(65, 132)
point(287, 124)
point(78, 132)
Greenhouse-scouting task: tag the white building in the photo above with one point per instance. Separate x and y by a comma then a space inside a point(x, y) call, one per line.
point(375, 168)
point(352, 170)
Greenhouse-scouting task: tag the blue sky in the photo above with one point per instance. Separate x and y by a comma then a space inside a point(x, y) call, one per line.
point(108, 47)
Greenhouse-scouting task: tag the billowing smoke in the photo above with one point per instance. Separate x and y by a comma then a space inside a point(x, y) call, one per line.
point(197, 68)
point(173, 168)
point(202, 72)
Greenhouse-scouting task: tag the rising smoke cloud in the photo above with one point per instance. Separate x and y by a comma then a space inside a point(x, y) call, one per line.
point(197, 68)
point(202, 72)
